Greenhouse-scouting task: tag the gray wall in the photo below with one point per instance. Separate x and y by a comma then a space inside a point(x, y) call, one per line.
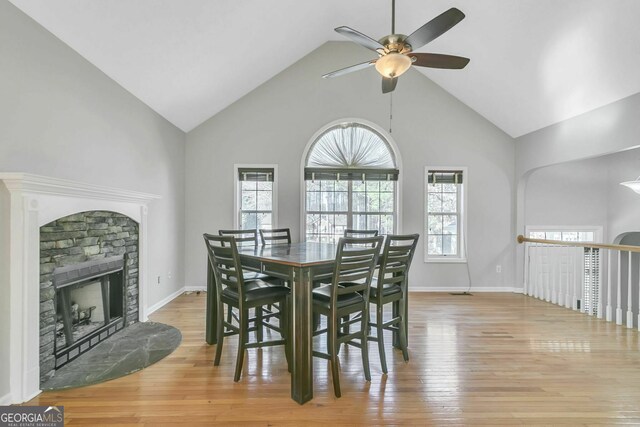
point(573, 193)
point(274, 123)
point(62, 117)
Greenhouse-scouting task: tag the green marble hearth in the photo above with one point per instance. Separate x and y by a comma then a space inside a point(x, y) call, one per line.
point(134, 348)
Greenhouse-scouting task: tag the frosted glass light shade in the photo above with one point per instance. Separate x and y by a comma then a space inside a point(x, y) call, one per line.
point(634, 185)
point(393, 64)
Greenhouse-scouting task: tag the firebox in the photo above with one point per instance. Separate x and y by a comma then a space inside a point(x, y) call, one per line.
point(90, 305)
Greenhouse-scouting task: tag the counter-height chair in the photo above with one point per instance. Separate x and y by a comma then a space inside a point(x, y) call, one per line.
point(390, 287)
point(347, 294)
point(249, 238)
point(275, 236)
point(234, 291)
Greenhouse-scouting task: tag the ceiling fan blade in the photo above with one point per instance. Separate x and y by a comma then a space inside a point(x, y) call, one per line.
point(434, 28)
point(388, 85)
point(350, 69)
point(359, 38)
point(436, 60)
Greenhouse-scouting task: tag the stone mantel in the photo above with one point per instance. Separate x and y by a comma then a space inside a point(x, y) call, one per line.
point(27, 202)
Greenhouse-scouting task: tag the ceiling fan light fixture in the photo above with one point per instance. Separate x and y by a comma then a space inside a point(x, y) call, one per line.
point(393, 64)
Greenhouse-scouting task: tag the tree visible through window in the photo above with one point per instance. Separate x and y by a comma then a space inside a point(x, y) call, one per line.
point(350, 182)
point(255, 197)
point(444, 213)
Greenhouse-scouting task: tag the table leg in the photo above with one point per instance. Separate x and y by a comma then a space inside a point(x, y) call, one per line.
point(302, 372)
point(210, 334)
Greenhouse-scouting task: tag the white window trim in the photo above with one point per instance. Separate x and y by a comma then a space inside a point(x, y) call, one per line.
point(236, 192)
point(303, 193)
point(461, 258)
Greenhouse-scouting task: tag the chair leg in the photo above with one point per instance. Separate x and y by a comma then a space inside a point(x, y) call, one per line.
point(403, 337)
point(332, 341)
point(259, 327)
point(219, 335)
point(242, 340)
point(364, 327)
point(380, 336)
point(346, 328)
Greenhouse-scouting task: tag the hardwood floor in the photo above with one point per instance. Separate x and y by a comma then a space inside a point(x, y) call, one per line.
point(486, 359)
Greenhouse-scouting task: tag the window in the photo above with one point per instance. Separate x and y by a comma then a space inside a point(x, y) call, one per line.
point(255, 199)
point(350, 182)
point(444, 214)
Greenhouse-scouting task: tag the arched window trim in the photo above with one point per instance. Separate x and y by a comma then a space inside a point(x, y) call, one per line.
point(385, 137)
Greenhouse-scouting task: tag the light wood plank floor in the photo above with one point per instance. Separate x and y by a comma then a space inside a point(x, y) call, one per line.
point(486, 359)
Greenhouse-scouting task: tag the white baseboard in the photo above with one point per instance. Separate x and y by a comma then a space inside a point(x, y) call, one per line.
point(165, 301)
point(5, 400)
point(201, 288)
point(468, 289)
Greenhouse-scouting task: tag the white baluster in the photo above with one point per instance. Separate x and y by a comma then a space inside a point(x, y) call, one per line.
point(609, 275)
point(527, 268)
point(547, 291)
point(561, 251)
point(567, 296)
point(553, 297)
point(533, 256)
point(619, 293)
point(574, 261)
point(629, 312)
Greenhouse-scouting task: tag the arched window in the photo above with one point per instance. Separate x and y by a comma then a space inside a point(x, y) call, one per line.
point(350, 182)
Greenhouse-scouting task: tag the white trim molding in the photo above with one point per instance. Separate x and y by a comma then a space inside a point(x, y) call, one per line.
point(472, 289)
point(29, 202)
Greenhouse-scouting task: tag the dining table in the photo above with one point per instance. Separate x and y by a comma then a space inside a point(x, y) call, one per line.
point(300, 265)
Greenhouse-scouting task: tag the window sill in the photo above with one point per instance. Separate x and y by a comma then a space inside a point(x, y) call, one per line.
point(445, 260)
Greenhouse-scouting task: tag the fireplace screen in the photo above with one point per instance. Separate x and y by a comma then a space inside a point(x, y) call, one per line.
point(90, 305)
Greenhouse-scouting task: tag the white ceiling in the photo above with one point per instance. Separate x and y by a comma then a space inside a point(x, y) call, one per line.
point(533, 62)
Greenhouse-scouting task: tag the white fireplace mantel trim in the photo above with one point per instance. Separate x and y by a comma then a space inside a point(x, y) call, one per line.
point(32, 201)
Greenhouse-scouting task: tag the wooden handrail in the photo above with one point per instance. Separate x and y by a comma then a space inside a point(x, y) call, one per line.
point(629, 248)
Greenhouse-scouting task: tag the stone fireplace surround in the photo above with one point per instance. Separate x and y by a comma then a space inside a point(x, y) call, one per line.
point(28, 202)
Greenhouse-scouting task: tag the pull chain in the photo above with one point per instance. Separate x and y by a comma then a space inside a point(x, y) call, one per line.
point(390, 110)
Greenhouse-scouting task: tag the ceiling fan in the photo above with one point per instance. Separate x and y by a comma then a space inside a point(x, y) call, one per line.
point(396, 51)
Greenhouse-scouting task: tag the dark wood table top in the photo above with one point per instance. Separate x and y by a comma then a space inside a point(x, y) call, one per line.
point(295, 254)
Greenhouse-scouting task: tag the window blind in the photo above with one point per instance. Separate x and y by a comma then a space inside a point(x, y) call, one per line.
point(255, 174)
point(350, 174)
point(445, 177)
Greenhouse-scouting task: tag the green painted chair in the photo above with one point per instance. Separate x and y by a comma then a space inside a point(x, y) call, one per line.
point(346, 295)
point(390, 287)
point(242, 295)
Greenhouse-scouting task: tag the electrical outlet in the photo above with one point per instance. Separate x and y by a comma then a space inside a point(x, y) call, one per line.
point(169, 275)
point(158, 280)
point(498, 268)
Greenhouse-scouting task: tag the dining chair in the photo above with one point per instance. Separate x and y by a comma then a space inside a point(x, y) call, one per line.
point(249, 238)
point(234, 291)
point(348, 293)
point(275, 236)
point(360, 233)
point(390, 287)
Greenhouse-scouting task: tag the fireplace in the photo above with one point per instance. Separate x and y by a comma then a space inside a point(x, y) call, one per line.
point(90, 306)
point(88, 284)
point(27, 203)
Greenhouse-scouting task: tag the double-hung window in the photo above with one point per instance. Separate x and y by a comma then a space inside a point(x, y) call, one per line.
point(444, 214)
point(255, 205)
point(350, 182)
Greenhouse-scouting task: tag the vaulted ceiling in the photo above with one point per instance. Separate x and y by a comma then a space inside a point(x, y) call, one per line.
point(533, 62)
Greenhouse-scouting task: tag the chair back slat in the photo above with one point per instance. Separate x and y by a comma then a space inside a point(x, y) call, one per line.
point(356, 261)
point(244, 238)
point(225, 263)
point(275, 236)
point(349, 232)
point(395, 260)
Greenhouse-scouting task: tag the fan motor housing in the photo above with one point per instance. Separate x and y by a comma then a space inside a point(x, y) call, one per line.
point(395, 43)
